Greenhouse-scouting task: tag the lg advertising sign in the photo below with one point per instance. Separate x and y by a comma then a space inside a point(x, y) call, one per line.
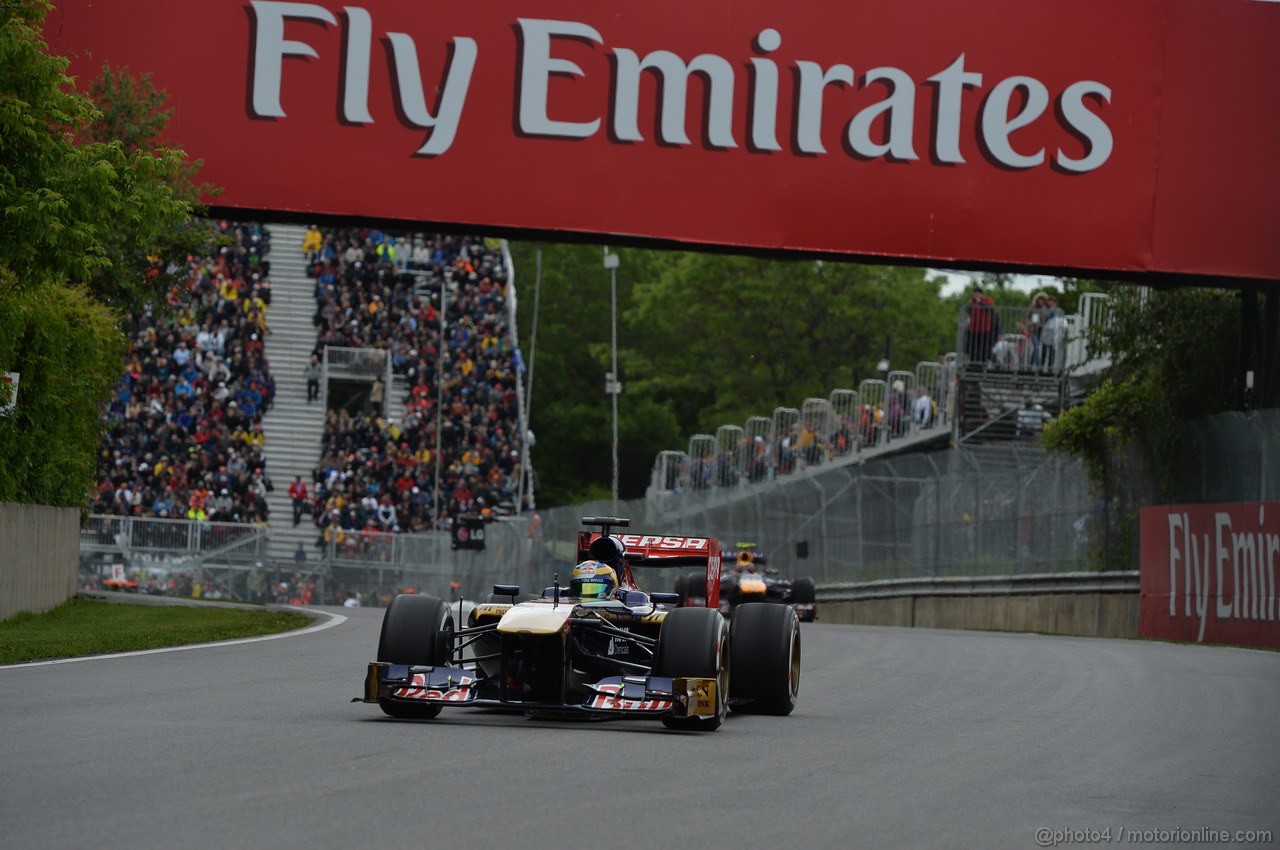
point(1135, 137)
point(1209, 573)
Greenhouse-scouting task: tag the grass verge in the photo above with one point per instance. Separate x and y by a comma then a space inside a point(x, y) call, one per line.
point(81, 627)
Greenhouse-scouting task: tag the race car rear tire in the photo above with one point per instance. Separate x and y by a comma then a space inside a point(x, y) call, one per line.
point(804, 591)
point(681, 584)
point(764, 658)
point(695, 584)
point(416, 629)
point(694, 642)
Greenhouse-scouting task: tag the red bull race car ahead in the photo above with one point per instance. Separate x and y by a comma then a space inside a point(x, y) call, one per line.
point(752, 580)
point(596, 646)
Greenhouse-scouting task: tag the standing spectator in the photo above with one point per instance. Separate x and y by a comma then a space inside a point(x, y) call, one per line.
point(313, 372)
point(377, 394)
point(1037, 314)
point(983, 327)
point(1051, 338)
point(298, 493)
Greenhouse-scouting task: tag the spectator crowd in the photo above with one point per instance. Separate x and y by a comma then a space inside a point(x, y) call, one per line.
point(376, 472)
point(183, 429)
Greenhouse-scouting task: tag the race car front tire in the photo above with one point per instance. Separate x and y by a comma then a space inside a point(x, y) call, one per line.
point(694, 643)
point(416, 629)
point(764, 658)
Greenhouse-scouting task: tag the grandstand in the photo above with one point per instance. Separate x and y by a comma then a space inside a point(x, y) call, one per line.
point(1002, 382)
point(385, 483)
point(451, 403)
point(184, 426)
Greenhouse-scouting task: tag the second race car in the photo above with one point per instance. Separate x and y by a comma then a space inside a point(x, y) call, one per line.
point(752, 580)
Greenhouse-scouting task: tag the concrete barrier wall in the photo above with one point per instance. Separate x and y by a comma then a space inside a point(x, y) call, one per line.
point(39, 557)
point(1112, 615)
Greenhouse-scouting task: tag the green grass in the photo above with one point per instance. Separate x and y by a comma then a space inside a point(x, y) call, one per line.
point(81, 627)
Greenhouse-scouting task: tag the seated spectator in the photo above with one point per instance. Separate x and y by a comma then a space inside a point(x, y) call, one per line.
point(382, 291)
point(178, 441)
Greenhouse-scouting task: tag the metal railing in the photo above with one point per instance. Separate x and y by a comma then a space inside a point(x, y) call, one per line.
point(356, 364)
point(131, 535)
point(1120, 581)
point(897, 405)
point(1020, 340)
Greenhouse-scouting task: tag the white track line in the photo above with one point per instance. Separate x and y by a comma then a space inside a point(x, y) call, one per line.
point(334, 620)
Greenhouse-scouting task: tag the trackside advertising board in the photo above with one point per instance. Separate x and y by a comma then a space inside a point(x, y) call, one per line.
point(1209, 573)
point(1091, 135)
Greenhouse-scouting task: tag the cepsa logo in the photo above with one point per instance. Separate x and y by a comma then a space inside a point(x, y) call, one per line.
point(885, 129)
point(668, 543)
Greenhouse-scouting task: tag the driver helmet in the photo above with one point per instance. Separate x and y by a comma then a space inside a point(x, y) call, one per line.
point(593, 580)
point(746, 562)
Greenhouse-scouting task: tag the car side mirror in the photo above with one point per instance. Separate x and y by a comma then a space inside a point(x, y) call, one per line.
point(665, 598)
point(506, 590)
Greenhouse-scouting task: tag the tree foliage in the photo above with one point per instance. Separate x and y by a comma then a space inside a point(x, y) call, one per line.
point(739, 336)
point(703, 340)
point(68, 350)
point(96, 217)
point(1173, 358)
point(80, 205)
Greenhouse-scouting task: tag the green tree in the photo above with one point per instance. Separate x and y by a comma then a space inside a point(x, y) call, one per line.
point(1173, 354)
point(77, 206)
point(731, 337)
point(67, 349)
point(1173, 358)
point(703, 340)
point(88, 225)
point(571, 414)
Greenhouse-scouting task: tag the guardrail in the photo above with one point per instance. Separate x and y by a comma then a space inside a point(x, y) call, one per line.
point(1086, 604)
point(1049, 583)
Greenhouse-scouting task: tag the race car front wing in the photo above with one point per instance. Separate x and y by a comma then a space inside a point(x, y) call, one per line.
point(614, 695)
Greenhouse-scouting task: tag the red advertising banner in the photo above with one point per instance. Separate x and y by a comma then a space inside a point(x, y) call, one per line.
point(1136, 137)
point(1209, 573)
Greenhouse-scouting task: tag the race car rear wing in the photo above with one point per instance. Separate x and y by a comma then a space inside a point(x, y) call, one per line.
point(657, 551)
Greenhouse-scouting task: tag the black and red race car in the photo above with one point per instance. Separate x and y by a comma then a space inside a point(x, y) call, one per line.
point(627, 654)
point(751, 580)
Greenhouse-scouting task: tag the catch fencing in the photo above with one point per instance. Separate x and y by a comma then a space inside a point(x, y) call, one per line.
point(970, 511)
point(235, 560)
point(973, 511)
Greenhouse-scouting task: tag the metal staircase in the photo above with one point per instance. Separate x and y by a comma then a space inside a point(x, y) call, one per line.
point(989, 402)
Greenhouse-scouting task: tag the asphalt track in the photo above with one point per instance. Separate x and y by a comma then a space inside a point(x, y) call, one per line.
point(903, 738)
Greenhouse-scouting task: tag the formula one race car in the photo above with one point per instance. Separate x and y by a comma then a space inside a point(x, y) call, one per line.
point(598, 647)
point(752, 580)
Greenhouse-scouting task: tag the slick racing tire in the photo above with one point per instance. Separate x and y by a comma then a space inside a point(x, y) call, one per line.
point(416, 629)
point(694, 642)
point(764, 658)
point(804, 591)
point(695, 584)
point(681, 584)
